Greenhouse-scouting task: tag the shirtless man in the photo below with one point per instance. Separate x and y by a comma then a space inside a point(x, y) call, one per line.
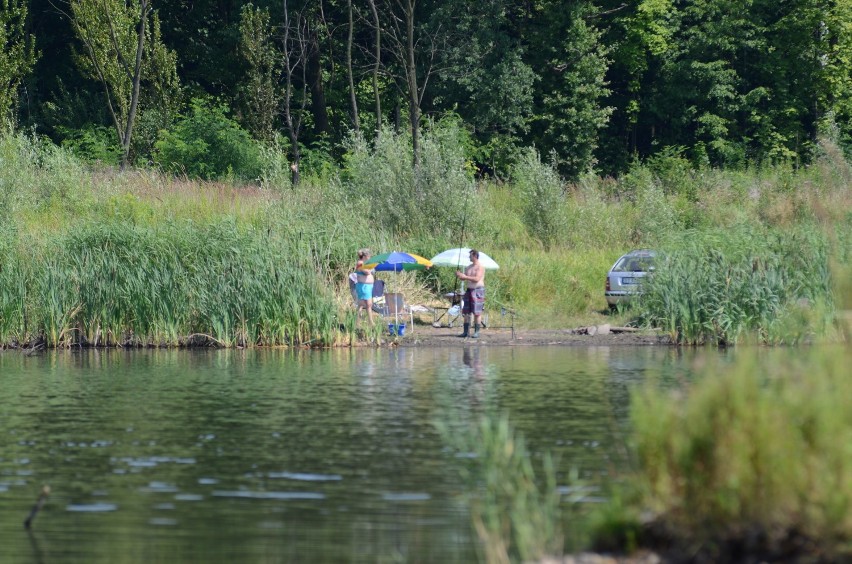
point(364, 285)
point(474, 295)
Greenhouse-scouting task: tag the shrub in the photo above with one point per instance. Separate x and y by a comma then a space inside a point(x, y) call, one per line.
point(543, 196)
point(437, 198)
point(207, 144)
point(93, 144)
point(760, 451)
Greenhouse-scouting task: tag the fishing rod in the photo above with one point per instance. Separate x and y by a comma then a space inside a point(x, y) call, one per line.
point(461, 240)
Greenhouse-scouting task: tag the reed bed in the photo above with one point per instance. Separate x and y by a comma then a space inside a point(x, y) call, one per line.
point(124, 284)
point(719, 286)
point(756, 457)
point(516, 515)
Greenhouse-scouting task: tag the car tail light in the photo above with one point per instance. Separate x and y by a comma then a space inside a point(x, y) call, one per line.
point(607, 284)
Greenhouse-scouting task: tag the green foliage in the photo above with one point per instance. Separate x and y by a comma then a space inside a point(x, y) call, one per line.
point(37, 177)
point(715, 286)
point(437, 197)
point(94, 144)
point(542, 198)
point(208, 144)
point(114, 56)
point(260, 95)
point(515, 517)
point(573, 90)
point(760, 449)
point(17, 55)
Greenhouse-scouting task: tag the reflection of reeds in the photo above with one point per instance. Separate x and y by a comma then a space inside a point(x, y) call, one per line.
point(761, 449)
point(515, 517)
point(717, 286)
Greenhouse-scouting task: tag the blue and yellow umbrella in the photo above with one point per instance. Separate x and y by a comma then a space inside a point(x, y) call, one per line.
point(397, 261)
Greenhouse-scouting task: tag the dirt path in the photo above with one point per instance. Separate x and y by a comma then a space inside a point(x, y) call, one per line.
point(426, 335)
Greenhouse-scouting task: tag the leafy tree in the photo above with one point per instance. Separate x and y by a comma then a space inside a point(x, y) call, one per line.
point(641, 34)
point(483, 76)
point(261, 96)
point(542, 197)
point(572, 61)
point(17, 54)
point(122, 46)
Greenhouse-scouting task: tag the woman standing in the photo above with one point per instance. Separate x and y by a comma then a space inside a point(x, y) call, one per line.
point(364, 285)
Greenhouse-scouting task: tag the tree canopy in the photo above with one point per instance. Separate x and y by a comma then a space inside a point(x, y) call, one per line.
point(591, 84)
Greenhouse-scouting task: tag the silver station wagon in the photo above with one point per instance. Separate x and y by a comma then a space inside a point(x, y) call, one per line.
point(624, 279)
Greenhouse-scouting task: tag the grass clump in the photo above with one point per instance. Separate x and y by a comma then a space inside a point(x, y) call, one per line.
point(119, 283)
point(714, 286)
point(515, 518)
point(756, 459)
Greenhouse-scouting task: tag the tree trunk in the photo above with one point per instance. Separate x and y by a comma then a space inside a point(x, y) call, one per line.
point(144, 9)
point(356, 123)
point(376, 67)
point(314, 74)
point(411, 74)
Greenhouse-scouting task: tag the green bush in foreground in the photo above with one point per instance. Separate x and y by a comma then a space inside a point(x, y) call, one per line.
point(762, 450)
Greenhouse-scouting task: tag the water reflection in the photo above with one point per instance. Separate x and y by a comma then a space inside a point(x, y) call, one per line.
point(286, 455)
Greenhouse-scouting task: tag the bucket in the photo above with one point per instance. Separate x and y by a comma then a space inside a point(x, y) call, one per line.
point(400, 329)
point(391, 329)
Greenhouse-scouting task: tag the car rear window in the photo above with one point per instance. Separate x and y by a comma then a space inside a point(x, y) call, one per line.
point(634, 264)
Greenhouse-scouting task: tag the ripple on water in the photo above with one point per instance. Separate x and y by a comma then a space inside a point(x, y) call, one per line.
point(305, 477)
point(160, 487)
point(189, 497)
point(91, 507)
point(247, 494)
point(162, 521)
point(406, 496)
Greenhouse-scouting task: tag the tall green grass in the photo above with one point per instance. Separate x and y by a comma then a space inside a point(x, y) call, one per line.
point(719, 286)
point(515, 514)
point(554, 241)
point(119, 283)
point(759, 450)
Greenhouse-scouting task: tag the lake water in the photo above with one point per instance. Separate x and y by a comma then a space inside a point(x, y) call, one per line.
point(283, 456)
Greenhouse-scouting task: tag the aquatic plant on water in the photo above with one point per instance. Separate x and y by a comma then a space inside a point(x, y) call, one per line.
point(516, 514)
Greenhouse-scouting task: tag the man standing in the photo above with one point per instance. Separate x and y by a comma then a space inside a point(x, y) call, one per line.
point(474, 295)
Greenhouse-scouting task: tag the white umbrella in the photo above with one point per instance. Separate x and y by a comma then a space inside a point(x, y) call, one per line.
point(458, 258)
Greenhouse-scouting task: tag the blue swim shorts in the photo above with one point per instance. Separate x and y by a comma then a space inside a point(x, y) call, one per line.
point(364, 291)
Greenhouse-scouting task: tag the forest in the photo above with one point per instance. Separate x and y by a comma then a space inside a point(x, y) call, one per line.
point(210, 88)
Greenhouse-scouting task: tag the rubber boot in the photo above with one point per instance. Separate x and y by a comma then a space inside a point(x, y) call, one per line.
point(476, 330)
point(466, 332)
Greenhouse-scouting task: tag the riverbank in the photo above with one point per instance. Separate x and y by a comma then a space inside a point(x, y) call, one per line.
point(599, 335)
point(428, 336)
